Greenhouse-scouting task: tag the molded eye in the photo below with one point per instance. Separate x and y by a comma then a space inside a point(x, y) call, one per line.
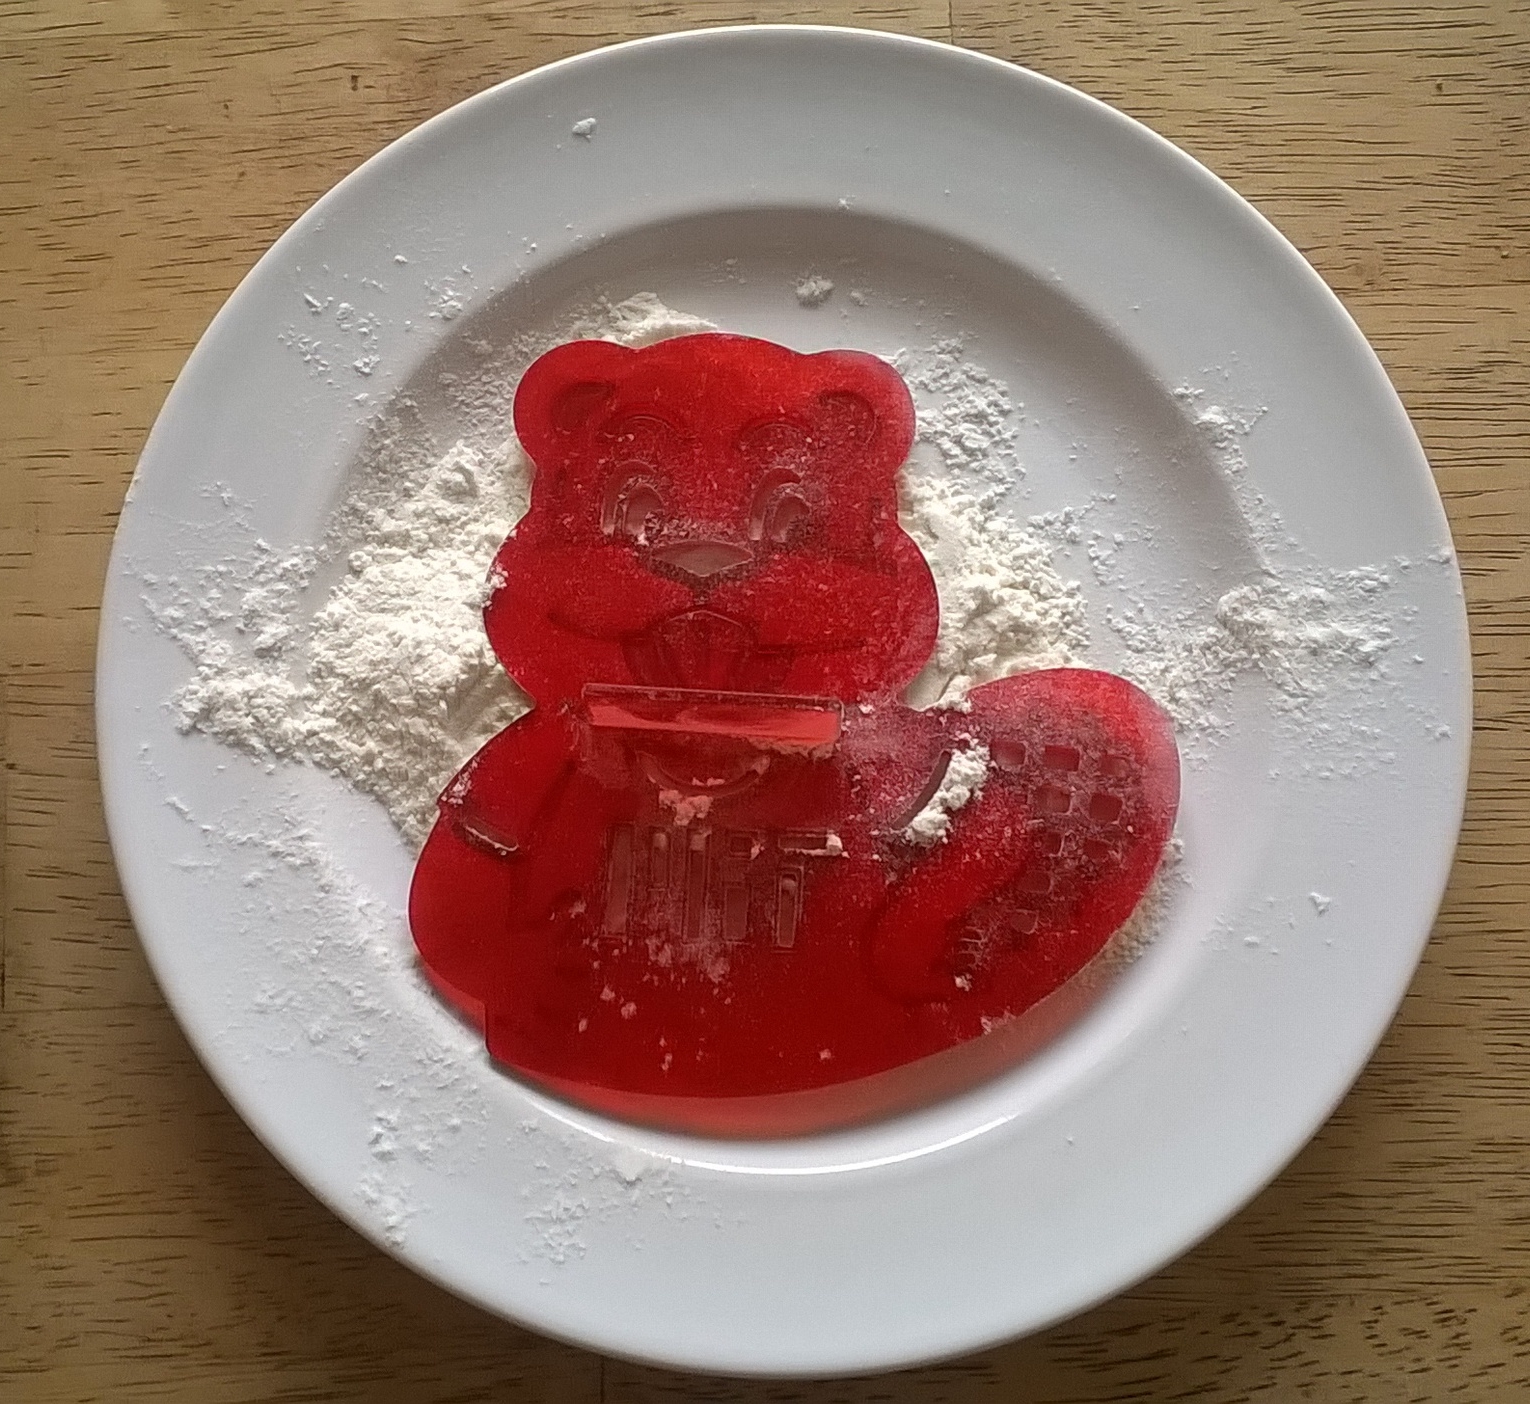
point(779, 507)
point(642, 440)
point(775, 445)
point(631, 504)
point(787, 509)
point(576, 405)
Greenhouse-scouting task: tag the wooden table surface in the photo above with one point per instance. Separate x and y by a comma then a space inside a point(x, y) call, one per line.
point(151, 150)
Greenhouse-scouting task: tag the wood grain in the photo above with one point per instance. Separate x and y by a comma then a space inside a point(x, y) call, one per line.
point(154, 1250)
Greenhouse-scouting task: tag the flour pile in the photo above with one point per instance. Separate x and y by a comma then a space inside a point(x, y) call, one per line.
point(394, 683)
point(1004, 609)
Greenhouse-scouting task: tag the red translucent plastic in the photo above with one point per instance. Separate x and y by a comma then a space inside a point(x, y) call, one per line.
point(688, 872)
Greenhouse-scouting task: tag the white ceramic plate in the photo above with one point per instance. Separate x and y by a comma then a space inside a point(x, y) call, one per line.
point(1096, 269)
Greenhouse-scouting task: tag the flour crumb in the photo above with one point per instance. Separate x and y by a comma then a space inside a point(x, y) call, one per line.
point(814, 290)
point(390, 1204)
point(684, 808)
point(449, 300)
point(584, 127)
point(1320, 903)
point(962, 783)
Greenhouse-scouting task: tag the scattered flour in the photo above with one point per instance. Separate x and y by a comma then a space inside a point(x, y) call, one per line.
point(639, 320)
point(1305, 633)
point(390, 1203)
point(1142, 927)
point(962, 783)
point(964, 412)
point(394, 683)
point(367, 657)
point(1294, 635)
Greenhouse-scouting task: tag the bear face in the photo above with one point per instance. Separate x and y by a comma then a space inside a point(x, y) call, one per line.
point(712, 512)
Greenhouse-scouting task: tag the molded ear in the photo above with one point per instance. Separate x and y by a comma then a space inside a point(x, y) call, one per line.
point(864, 410)
point(562, 392)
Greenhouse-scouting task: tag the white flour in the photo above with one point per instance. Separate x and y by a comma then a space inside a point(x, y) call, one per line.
point(366, 657)
point(1305, 633)
point(965, 413)
point(386, 679)
point(1295, 636)
point(392, 683)
point(1003, 607)
point(962, 783)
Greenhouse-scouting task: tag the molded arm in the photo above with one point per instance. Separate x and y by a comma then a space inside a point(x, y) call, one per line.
point(496, 799)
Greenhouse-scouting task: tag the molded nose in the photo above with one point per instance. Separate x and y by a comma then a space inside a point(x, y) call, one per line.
point(702, 558)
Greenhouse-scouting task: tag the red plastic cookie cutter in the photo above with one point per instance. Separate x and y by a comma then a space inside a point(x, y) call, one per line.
point(721, 865)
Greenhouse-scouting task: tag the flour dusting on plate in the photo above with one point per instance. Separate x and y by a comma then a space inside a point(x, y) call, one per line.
point(365, 656)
